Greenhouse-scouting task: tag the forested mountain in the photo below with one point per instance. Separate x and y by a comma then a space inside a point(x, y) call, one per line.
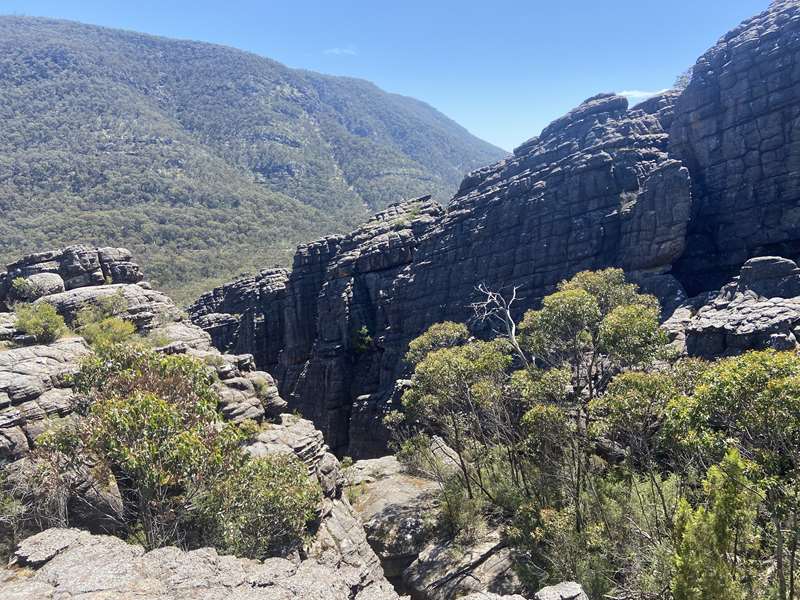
point(204, 160)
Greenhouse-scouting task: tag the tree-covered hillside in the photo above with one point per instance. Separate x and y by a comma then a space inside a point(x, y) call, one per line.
point(204, 160)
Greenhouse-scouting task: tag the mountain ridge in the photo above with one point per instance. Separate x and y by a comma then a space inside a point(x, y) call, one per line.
point(218, 158)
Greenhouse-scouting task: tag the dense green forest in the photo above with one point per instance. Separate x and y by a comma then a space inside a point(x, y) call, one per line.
point(602, 456)
point(203, 160)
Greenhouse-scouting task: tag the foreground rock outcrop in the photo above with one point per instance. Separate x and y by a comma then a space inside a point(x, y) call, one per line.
point(69, 564)
point(398, 510)
point(35, 387)
point(679, 191)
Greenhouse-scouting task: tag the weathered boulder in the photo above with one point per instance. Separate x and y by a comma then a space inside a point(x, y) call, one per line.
point(568, 590)
point(144, 307)
point(758, 309)
point(340, 541)
point(70, 564)
point(68, 268)
point(447, 569)
point(398, 510)
point(34, 386)
point(490, 596)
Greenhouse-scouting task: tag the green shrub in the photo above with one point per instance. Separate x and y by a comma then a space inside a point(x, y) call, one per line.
point(152, 421)
point(99, 325)
point(461, 516)
point(108, 332)
point(354, 492)
point(25, 288)
point(362, 340)
point(263, 508)
point(40, 320)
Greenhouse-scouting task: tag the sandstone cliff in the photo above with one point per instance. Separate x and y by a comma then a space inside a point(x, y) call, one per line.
point(679, 191)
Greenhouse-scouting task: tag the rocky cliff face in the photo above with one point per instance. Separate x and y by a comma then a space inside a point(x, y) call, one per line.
point(679, 191)
point(735, 129)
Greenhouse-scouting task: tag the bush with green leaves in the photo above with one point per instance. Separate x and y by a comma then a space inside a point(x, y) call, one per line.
point(25, 289)
point(578, 434)
point(263, 508)
point(714, 540)
point(362, 340)
point(99, 324)
point(152, 421)
point(41, 321)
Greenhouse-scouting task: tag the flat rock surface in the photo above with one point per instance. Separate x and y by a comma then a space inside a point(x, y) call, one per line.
point(60, 564)
point(446, 570)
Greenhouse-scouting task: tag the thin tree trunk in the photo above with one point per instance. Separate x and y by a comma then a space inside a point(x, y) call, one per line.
point(779, 571)
point(793, 551)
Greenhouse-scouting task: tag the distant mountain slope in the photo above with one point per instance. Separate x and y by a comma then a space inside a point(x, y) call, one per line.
point(203, 159)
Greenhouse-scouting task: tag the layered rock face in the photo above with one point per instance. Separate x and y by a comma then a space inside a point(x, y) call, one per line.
point(679, 191)
point(736, 130)
point(70, 564)
point(73, 267)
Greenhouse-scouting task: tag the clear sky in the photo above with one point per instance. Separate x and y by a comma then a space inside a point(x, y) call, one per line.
point(502, 69)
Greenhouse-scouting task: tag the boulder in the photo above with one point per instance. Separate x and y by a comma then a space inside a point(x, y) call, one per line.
point(33, 287)
point(73, 267)
point(490, 596)
point(448, 569)
point(758, 309)
point(398, 510)
point(34, 386)
point(567, 590)
point(145, 308)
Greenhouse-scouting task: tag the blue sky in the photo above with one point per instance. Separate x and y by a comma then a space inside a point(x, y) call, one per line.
point(502, 69)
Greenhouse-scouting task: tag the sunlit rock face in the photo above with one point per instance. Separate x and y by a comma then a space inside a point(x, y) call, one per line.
point(735, 128)
point(679, 191)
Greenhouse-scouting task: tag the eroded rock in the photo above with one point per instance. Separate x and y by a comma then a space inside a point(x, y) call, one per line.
point(70, 564)
point(398, 510)
point(758, 309)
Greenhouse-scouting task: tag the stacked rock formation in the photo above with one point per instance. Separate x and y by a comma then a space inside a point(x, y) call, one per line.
point(735, 129)
point(34, 387)
point(679, 191)
point(758, 309)
point(71, 564)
